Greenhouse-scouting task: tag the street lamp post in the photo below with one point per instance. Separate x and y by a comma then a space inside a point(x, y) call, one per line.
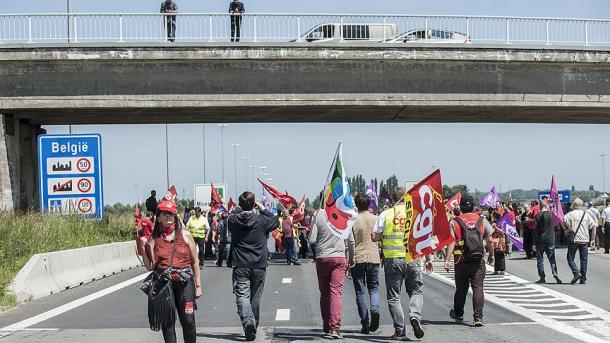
point(235, 146)
point(222, 149)
point(253, 179)
point(262, 171)
point(246, 158)
point(603, 156)
point(167, 156)
point(203, 146)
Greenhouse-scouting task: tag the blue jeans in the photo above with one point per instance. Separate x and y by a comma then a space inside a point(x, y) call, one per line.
point(248, 285)
point(583, 252)
point(366, 276)
point(291, 250)
point(549, 250)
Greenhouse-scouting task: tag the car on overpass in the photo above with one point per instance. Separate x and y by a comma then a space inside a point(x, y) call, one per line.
point(337, 32)
point(433, 36)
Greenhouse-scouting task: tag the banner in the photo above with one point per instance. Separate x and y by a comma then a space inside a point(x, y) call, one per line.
point(338, 203)
point(427, 227)
point(505, 223)
point(286, 200)
point(299, 214)
point(555, 204)
point(490, 199)
point(371, 191)
point(216, 204)
point(454, 202)
point(267, 200)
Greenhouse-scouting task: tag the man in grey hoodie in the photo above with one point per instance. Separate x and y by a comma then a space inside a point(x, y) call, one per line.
point(249, 233)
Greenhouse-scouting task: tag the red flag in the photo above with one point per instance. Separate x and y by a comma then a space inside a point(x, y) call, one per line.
point(428, 227)
point(299, 214)
point(215, 201)
point(454, 202)
point(231, 205)
point(285, 199)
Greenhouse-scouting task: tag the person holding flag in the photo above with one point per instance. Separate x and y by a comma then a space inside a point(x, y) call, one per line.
point(470, 230)
point(400, 267)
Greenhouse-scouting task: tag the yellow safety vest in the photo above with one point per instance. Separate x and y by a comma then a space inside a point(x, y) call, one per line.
point(394, 233)
point(198, 226)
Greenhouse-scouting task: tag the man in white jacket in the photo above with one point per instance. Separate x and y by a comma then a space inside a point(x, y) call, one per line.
point(578, 223)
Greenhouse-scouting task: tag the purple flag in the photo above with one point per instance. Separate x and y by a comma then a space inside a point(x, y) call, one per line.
point(555, 204)
point(371, 191)
point(490, 199)
point(266, 199)
point(508, 228)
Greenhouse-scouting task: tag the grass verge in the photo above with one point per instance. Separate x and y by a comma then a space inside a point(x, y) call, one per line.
point(24, 235)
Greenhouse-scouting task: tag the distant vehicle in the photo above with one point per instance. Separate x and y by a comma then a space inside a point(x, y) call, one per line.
point(335, 32)
point(434, 36)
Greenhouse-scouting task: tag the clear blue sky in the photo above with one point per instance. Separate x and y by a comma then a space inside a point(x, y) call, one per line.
point(298, 155)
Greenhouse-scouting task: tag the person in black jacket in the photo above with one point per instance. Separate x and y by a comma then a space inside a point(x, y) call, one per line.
point(151, 202)
point(224, 246)
point(236, 9)
point(249, 233)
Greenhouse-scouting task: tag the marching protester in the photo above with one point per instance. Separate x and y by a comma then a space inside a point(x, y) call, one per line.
point(400, 268)
point(174, 260)
point(470, 231)
point(331, 267)
point(249, 232)
point(151, 202)
point(288, 238)
point(365, 273)
point(198, 226)
point(545, 242)
point(577, 224)
point(606, 227)
point(596, 215)
point(528, 232)
point(224, 246)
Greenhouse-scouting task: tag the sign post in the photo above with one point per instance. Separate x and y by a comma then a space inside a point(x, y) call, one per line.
point(203, 194)
point(70, 174)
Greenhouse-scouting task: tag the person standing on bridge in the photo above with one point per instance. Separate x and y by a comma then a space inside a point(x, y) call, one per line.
point(236, 9)
point(400, 268)
point(174, 258)
point(470, 231)
point(170, 6)
point(249, 232)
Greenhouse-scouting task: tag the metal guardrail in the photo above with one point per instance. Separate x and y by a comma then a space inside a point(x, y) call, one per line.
point(261, 27)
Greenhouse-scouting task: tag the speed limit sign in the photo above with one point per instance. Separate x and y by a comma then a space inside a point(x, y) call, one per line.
point(84, 185)
point(83, 165)
point(85, 205)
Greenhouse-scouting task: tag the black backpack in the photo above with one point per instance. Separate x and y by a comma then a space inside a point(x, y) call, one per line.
point(474, 248)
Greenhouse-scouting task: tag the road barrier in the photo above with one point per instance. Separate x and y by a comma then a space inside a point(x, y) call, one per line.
point(53, 272)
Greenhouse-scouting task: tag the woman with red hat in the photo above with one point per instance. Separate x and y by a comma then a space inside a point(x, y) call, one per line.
point(174, 258)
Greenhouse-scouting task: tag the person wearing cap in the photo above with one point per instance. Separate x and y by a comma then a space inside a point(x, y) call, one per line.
point(577, 224)
point(400, 268)
point(249, 233)
point(468, 272)
point(198, 226)
point(174, 257)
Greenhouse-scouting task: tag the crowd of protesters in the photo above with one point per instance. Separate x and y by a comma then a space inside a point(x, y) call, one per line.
point(239, 238)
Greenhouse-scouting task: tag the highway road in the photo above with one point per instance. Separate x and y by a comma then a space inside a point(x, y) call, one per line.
point(114, 309)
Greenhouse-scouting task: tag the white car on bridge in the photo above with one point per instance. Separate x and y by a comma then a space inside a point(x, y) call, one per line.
point(432, 36)
point(337, 32)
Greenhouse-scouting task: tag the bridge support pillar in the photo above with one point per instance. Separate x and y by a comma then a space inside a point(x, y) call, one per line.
point(18, 164)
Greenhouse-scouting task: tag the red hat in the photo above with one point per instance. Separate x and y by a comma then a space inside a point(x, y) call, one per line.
point(137, 213)
point(168, 203)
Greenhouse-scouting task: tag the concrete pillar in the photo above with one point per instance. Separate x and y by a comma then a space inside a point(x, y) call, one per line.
point(18, 164)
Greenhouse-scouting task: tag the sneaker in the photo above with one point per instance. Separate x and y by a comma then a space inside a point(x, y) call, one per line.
point(540, 281)
point(335, 335)
point(583, 282)
point(374, 322)
point(458, 319)
point(417, 330)
point(364, 331)
point(296, 263)
point(575, 279)
point(557, 278)
point(479, 323)
point(327, 335)
point(250, 331)
point(397, 336)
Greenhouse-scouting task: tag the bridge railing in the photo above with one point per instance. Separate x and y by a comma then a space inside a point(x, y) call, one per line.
point(261, 27)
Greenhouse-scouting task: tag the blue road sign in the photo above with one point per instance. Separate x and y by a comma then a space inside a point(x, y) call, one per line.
point(564, 196)
point(70, 174)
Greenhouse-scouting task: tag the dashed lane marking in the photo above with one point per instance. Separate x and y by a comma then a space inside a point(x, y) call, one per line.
point(71, 305)
point(282, 314)
point(287, 280)
point(544, 306)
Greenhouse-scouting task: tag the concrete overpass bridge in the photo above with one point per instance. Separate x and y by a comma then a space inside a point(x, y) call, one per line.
point(285, 82)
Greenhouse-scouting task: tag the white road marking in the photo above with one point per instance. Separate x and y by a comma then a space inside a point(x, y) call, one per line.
point(71, 305)
point(585, 329)
point(287, 280)
point(516, 323)
point(282, 314)
point(31, 329)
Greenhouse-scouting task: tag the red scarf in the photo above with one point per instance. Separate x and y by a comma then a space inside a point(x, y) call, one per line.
point(166, 231)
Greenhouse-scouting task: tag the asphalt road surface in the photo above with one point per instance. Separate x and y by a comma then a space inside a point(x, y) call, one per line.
point(114, 309)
